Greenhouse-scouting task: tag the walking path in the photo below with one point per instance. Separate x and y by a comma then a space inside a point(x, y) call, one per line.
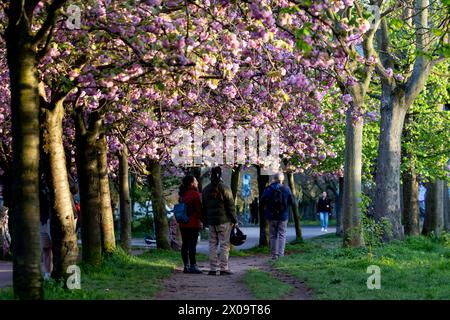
point(183, 286)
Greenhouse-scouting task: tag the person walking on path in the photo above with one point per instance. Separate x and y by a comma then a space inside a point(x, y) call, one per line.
point(277, 200)
point(189, 231)
point(219, 213)
point(324, 210)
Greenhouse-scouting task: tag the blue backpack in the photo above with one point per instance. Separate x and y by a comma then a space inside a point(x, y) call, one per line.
point(180, 211)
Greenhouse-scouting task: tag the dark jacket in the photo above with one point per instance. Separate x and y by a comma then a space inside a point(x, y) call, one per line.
point(324, 205)
point(218, 205)
point(192, 199)
point(287, 197)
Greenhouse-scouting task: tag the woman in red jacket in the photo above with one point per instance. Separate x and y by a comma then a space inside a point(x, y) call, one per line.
point(189, 231)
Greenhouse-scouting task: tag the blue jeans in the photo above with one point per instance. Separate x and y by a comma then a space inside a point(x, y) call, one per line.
point(324, 220)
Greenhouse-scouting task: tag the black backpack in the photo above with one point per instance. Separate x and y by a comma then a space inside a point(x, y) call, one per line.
point(277, 204)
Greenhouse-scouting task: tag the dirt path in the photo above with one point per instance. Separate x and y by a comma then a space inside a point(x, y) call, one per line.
point(205, 287)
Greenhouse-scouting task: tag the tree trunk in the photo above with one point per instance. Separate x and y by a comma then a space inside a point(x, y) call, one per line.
point(125, 202)
point(263, 224)
point(64, 239)
point(106, 214)
point(434, 215)
point(235, 178)
point(159, 210)
point(298, 227)
point(339, 205)
point(88, 181)
point(387, 199)
point(22, 63)
point(351, 219)
point(446, 208)
point(410, 202)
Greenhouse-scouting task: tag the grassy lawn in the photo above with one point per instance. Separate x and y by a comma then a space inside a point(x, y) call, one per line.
point(120, 277)
point(264, 286)
point(418, 268)
point(316, 223)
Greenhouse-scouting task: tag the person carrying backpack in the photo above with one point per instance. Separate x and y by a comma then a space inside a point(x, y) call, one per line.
point(219, 213)
point(277, 200)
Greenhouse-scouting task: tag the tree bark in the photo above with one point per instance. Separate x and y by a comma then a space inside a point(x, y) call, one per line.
point(125, 202)
point(434, 215)
point(263, 224)
point(295, 211)
point(387, 200)
point(64, 239)
point(235, 179)
point(88, 180)
point(106, 214)
point(446, 208)
point(410, 202)
point(351, 218)
point(339, 205)
point(22, 63)
point(159, 210)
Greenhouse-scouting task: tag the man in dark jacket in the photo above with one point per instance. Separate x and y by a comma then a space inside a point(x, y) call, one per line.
point(324, 209)
point(277, 200)
point(219, 213)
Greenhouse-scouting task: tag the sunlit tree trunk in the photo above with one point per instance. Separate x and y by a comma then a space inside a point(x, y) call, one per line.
point(22, 63)
point(295, 211)
point(351, 211)
point(125, 202)
point(64, 239)
point(387, 201)
point(159, 210)
point(106, 214)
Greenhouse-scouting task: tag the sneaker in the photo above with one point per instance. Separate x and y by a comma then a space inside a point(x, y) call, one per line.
point(212, 273)
point(186, 269)
point(195, 269)
point(323, 229)
point(226, 272)
point(326, 230)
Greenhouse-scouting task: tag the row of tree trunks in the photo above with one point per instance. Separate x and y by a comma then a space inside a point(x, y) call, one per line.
point(64, 239)
point(295, 211)
point(125, 202)
point(158, 204)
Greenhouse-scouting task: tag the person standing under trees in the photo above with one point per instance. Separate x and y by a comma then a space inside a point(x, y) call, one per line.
point(254, 211)
point(190, 231)
point(324, 210)
point(219, 213)
point(277, 200)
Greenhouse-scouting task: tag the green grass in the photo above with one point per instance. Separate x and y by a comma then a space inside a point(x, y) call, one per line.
point(264, 286)
point(418, 268)
point(120, 277)
point(316, 223)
